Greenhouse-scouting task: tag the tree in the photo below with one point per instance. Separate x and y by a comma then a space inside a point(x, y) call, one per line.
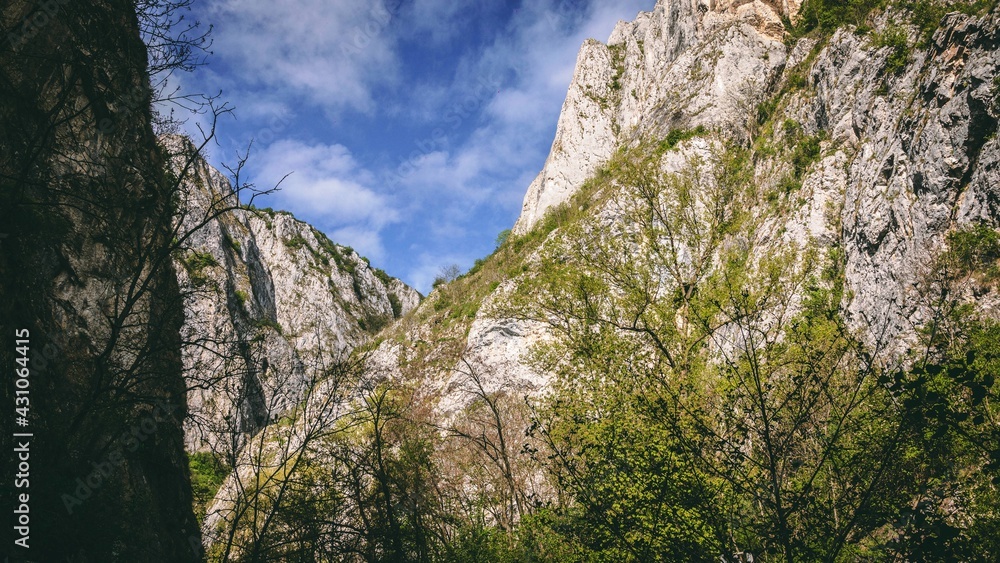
point(88, 196)
point(709, 398)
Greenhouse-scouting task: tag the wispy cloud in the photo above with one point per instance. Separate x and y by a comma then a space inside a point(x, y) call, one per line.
point(330, 53)
point(325, 185)
point(411, 128)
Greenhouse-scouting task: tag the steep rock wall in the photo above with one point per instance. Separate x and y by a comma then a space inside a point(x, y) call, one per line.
point(268, 300)
point(85, 211)
point(903, 158)
point(685, 64)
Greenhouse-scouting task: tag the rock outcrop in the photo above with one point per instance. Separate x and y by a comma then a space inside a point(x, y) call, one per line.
point(865, 150)
point(683, 65)
point(904, 155)
point(912, 154)
point(87, 285)
point(268, 300)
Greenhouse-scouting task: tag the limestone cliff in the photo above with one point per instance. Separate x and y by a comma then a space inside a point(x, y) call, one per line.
point(908, 153)
point(686, 63)
point(903, 153)
point(268, 300)
point(867, 146)
point(86, 280)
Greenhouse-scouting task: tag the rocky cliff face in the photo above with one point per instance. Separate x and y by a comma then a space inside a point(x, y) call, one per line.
point(904, 153)
point(683, 65)
point(908, 152)
point(268, 300)
point(87, 284)
point(866, 146)
point(912, 153)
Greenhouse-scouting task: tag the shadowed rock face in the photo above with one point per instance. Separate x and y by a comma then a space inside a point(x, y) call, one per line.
point(85, 268)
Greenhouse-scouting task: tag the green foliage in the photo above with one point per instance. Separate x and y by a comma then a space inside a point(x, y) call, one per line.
point(791, 443)
point(383, 277)
point(618, 61)
point(502, 238)
point(467, 309)
point(894, 38)
point(196, 265)
point(826, 16)
point(241, 297)
point(373, 322)
point(296, 242)
point(266, 323)
point(829, 15)
point(927, 14)
point(207, 474)
point(396, 305)
point(708, 397)
point(231, 243)
point(357, 288)
point(806, 153)
point(975, 250)
point(476, 266)
point(676, 136)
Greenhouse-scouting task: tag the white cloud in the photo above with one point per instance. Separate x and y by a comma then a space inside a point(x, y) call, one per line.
point(331, 53)
point(486, 131)
point(456, 176)
point(325, 185)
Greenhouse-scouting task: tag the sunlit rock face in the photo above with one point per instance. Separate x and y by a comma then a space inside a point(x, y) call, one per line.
point(686, 63)
point(906, 156)
point(268, 300)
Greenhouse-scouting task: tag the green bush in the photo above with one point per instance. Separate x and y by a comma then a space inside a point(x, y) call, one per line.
point(196, 264)
point(927, 14)
point(975, 249)
point(383, 277)
point(677, 136)
point(295, 242)
point(502, 237)
point(806, 152)
point(207, 474)
point(894, 37)
point(372, 323)
point(829, 15)
point(241, 297)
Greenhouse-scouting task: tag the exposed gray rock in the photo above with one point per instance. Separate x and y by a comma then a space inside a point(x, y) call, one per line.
point(685, 64)
point(269, 300)
point(922, 156)
point(906, 159)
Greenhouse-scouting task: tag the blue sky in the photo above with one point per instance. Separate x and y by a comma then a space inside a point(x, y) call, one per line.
point(410, 128)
